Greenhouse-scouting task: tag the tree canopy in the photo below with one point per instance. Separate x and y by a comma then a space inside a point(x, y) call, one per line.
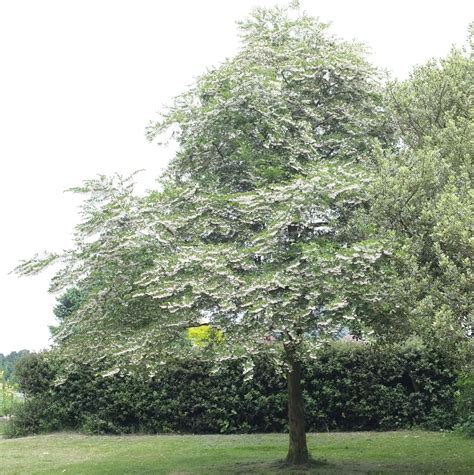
point(8, 362)
point(291, 97)
point(424, 193)
point(253, 229)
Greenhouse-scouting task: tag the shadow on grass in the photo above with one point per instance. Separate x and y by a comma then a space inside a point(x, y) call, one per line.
point(281, 466)
point(318, 466)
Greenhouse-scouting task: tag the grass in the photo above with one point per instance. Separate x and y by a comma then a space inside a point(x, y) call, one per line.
point(363, 452)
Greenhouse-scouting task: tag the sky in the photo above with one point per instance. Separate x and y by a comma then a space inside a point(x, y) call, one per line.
point(80, 79)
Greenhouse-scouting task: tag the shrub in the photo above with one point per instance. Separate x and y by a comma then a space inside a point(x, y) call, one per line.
point(34, 374)
point(465, 404)
point(40, 414)
point(8, 397)
point(349, 387)
point(356, 387)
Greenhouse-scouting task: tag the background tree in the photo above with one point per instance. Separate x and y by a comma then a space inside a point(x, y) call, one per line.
point(424, 193)
point(8, 362)
point(68, 303)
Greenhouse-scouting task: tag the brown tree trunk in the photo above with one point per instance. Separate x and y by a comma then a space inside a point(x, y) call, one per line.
point(298, 450)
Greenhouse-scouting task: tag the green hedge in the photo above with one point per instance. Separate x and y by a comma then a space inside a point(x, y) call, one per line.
point(465, 404)
point(349, 387)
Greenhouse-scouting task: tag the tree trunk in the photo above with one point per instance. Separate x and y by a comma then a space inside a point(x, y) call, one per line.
point(298, 449)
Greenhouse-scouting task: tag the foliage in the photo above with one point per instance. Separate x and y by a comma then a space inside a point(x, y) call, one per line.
point(34, 416)
point(349, 387)
point(204, 335)
point(465, 404)
point(424, 196)
point(8, 398)
point(253, 232)
point(7, 362)
point(34, 374)
point(361, 388)
point(291, 97)
point(68, 303)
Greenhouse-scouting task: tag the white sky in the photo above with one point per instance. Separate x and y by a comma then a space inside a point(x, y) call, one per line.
point(80, 79)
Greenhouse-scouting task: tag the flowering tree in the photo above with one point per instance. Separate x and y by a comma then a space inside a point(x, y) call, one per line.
point(259, 228)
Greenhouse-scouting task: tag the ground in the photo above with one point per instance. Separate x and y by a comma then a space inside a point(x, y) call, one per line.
point(346, 453)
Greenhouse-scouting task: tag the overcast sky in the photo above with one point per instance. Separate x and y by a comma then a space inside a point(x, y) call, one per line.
point(80, 79)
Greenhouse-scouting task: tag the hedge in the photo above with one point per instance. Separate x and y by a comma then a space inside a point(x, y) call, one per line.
point(349, 387)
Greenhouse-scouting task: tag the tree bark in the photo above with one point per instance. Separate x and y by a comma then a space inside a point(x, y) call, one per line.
point(298, 450)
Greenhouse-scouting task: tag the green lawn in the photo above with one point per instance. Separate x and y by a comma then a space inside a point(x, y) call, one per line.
point(364, 452)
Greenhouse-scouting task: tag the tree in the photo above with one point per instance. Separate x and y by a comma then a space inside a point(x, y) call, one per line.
point(68, 303)
point(258, 230)
point(8, 362)
point(423, 193)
